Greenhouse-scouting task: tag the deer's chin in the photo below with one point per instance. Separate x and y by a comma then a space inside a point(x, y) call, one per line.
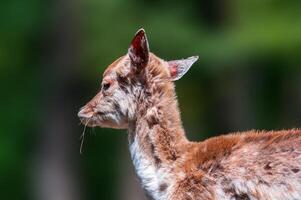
point(90, 122)
point(105, 122)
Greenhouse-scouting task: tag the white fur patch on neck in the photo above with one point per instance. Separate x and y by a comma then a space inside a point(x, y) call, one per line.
point(151, 177)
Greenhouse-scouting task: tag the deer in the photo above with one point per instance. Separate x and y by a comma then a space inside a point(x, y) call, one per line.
point(138, 94)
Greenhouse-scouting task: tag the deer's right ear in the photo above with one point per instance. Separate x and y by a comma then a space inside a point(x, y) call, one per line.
point(139, 49)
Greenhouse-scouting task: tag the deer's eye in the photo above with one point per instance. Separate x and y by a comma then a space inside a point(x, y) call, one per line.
point(106, 86)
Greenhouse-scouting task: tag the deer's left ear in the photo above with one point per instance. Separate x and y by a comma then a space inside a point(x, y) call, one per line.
point(178, 68)
point(139, 49)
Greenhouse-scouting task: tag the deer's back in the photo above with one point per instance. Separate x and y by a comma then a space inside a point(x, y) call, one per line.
point(252, 165)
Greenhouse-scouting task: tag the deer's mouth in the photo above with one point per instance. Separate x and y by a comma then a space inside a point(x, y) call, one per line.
point(90, 122)
point(94, 120)
point(101, 119)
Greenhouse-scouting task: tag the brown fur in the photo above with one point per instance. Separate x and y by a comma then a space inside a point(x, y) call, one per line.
point(247, 165)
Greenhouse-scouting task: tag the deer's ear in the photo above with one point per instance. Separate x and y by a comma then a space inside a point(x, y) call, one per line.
point(139, 49)
point(178, 68)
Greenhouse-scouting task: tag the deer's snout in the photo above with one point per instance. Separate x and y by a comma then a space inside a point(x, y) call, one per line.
point(85, 113)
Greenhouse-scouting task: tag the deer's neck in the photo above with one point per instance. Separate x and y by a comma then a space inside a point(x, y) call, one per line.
point(156, 140)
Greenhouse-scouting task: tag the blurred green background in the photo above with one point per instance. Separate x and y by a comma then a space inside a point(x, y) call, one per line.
point(53, 53)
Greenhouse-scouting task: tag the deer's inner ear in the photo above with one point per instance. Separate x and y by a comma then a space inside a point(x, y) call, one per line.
point(139, 50)
point(178, 68)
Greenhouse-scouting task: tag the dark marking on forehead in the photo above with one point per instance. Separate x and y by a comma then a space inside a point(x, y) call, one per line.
point(163, 187)
point(242, 196)
point(112, 66)
point(267, 166)
point(295, 170)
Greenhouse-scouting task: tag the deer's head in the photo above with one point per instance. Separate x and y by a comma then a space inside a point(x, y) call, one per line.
point(126, 83)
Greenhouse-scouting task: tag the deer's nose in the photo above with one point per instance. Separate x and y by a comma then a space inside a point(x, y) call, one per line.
point(85, 112)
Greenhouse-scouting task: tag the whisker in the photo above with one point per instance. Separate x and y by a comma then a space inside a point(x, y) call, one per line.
point(82, 137)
